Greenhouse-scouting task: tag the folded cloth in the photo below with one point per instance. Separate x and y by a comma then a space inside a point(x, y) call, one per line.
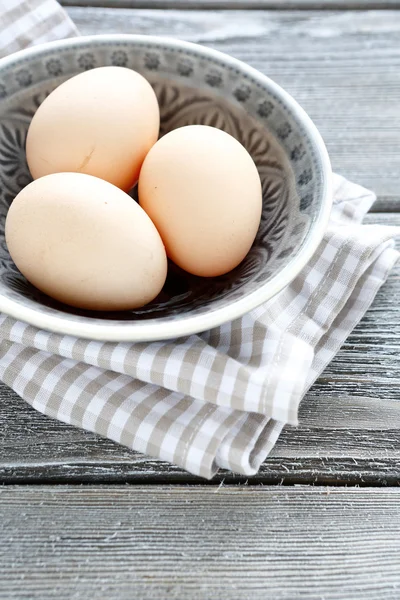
point(27, 22)
point(220, 398)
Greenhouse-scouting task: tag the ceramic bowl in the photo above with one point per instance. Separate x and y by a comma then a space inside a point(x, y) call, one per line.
point(193, 84)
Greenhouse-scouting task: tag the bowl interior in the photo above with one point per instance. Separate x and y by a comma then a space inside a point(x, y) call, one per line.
point(192, 87)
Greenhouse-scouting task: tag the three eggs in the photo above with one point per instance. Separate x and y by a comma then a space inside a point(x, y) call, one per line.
point(76, 234)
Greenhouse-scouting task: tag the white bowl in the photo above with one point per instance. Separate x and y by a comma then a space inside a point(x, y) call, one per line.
point(194, 84)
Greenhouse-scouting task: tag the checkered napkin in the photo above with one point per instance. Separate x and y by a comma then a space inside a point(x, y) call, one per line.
point(221, 398)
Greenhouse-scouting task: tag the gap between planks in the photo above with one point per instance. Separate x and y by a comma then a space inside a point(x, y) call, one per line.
point(348, 434)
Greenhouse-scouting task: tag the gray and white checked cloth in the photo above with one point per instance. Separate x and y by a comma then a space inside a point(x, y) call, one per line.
point(215, 400)
point(27, 22)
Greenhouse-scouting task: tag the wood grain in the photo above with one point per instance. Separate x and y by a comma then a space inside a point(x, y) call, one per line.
point(349, 430)
point(238, 4)
point(343, 67)
point(248, 543)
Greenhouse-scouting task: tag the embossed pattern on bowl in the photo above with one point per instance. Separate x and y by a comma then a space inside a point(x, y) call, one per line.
point(193, 85)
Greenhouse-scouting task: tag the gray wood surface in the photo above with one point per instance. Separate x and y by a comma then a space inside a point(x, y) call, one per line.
point(349, 430)
point(343, 67)
point(249, 543)
point(238, 4)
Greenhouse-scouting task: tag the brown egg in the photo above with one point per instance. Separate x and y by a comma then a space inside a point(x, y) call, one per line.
point(202, 191)
point(101, 122)
point(86, 243)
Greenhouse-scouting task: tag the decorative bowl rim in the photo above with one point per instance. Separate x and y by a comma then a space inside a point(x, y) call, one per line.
point(185, 325)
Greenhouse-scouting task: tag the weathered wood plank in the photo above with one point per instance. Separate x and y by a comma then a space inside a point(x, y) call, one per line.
point(36, 449)
point(121, 542)
point(238, 4)
point(349, 430)
point(343, 67)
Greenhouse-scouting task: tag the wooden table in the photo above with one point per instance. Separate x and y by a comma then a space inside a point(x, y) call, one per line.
point(81, 517)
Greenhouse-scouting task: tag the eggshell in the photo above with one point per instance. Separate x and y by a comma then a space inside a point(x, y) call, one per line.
point(202, 190)
point(86, 243)
point(101, 122)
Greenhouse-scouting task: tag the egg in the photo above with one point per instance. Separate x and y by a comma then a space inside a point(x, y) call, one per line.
point(202, 190)
point(86, 243)
point(101, 122)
